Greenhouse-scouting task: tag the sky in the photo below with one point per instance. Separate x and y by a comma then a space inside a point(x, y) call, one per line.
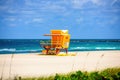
point(85, 19)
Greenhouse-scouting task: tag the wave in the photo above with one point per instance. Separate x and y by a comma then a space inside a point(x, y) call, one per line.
point(29, 50)
point(8, 49)
point(13, 50)
point(94, 48)
point(107, 48)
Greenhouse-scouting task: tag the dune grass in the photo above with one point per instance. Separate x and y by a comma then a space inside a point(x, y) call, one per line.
point(107, 74)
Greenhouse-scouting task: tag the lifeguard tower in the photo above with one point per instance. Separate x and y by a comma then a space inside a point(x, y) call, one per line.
point(60, 40)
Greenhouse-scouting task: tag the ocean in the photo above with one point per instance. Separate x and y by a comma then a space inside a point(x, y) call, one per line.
point(10, 46)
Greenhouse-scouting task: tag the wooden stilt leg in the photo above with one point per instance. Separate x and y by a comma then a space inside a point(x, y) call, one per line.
point(47, 51)
point(66, 50)
point(57, 51)
point(47, 48)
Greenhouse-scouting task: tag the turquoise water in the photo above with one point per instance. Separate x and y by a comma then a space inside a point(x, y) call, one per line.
point(33, 45)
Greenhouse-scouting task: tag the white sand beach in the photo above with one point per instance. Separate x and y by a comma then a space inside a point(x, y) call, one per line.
point(34, 65)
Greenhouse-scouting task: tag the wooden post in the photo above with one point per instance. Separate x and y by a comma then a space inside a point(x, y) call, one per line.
point(47, 48)
point(66, 50)
point(57, 50)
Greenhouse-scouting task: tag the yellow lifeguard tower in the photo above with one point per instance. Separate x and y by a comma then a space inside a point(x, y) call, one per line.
point(60, 39)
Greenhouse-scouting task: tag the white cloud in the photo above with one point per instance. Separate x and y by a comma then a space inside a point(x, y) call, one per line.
point(12, 24)
point(27, 12)
point(78, 3)
point(34, 20)
point(111, 10)
point(36, 7)
point(37, 20)
point(22, 11)
point(81, 3)
point(46, 5)
point(67, 27)
point(12, 11)
point(34, 2)
point(10, 19)
point(97, 2)
point(53, 7)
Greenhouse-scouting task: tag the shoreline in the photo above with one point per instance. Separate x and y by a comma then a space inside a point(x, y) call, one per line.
point(34, 65)
point(68, 51)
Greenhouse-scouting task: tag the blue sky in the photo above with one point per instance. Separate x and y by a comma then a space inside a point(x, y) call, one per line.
point(85, 19)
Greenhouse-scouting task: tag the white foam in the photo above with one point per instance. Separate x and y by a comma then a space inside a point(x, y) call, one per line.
point(8, 49)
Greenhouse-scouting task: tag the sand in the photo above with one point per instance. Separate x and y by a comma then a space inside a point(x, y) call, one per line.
point(34, 65)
